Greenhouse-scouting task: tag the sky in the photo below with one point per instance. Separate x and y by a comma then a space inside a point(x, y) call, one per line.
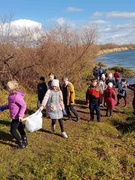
point(114, 19)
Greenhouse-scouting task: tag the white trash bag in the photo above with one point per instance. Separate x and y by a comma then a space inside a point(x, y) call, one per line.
point(33, 122)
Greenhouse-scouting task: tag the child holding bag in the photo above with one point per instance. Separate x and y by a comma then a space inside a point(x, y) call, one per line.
point(54, 100)
point(17, 107)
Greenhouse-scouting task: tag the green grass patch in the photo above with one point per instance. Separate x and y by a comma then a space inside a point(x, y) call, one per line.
point(93, 151)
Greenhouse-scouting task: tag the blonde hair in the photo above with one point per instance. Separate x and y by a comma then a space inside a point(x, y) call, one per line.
point(13, 86)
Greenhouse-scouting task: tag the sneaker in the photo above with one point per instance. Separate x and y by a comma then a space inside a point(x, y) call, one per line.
point(78, 119)
point(70, 118)
point(24, 139)
point(21, 145)
point(53, 128)
point(64, 135)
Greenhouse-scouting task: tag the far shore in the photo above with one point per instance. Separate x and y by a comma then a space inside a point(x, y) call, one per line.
point(107, 51)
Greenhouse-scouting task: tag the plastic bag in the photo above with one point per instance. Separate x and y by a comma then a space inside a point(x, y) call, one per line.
point(33, 122)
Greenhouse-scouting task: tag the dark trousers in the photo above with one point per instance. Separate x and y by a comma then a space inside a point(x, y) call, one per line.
point(17, 125)
point(60, 123)
point(95, 107)
point(72, 109)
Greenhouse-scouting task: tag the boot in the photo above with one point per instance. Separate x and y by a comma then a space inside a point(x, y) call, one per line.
point(24, 139)
point(21, 145)
point(106, 112)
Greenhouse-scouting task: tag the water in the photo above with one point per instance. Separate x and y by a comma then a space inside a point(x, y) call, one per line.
point(123, 58)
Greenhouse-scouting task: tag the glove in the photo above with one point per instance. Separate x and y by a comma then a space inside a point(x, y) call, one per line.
point(2, 108)
point(64, 112)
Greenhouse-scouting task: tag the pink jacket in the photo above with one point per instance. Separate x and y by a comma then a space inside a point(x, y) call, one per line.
point(16, 105)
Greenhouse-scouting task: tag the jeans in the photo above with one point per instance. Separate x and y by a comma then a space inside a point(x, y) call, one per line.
point(17, 125)
point(72, 109)
point(96, 107)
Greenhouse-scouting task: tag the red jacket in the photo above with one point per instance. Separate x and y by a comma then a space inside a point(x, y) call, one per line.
point(110, 98)
point(93, 95)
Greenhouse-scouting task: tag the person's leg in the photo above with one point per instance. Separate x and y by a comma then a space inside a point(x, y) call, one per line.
point(53, 125)
point(68, 112)
point(63, 133)
point(111, 112)
point(13, 131)
point(74, 112)
point(91, 107)
point(97, 107)
point(107, 112)
point(118, 98)
point(61, 125)
point(22, 133)
point(125, 101)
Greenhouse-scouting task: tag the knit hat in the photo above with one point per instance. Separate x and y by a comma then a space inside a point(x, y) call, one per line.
point(110, 84)
point(102, 76)
point(55, 82)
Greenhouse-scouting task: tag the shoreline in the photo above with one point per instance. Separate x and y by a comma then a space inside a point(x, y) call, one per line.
point(107, 51)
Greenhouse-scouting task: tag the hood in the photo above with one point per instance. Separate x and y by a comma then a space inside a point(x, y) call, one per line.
point(13, 96)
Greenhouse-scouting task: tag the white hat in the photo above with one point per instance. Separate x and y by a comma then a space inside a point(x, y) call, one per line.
point(102, 76)
point(110, 84)
point(55, 82)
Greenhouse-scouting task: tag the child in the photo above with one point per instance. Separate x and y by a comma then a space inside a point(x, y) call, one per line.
point(69, 98)
point(93, 97)
point(132, 87)
point(17, 107)
point(102, 85)
point(41, 90)
point(54, 100)
point(110, 98)
point(122, 92)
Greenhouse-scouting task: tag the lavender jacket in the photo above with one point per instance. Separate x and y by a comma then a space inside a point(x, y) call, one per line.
point(16, 105)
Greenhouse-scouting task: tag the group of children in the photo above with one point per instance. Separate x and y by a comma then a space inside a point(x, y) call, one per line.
point(102, 92)
point(60, 101)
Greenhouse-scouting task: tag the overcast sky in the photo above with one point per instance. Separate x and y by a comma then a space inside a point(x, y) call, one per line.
point(114, 19)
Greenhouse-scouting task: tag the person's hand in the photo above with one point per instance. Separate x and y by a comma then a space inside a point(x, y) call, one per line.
point(41, 108)
point(64, 112)
point(20, 119)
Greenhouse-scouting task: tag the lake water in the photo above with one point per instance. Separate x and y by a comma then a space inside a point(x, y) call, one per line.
point(123, 58)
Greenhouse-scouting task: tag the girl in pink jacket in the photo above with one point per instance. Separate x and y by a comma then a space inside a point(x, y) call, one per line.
point(17, 107)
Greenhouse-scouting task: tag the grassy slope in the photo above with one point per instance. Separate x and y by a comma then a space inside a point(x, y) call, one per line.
point(93, 150)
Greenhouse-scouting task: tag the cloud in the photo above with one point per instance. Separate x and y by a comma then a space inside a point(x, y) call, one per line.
point(100, 22)
point(72, 9)
point(121, 15)
point(115, 14)
point(21, 23)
